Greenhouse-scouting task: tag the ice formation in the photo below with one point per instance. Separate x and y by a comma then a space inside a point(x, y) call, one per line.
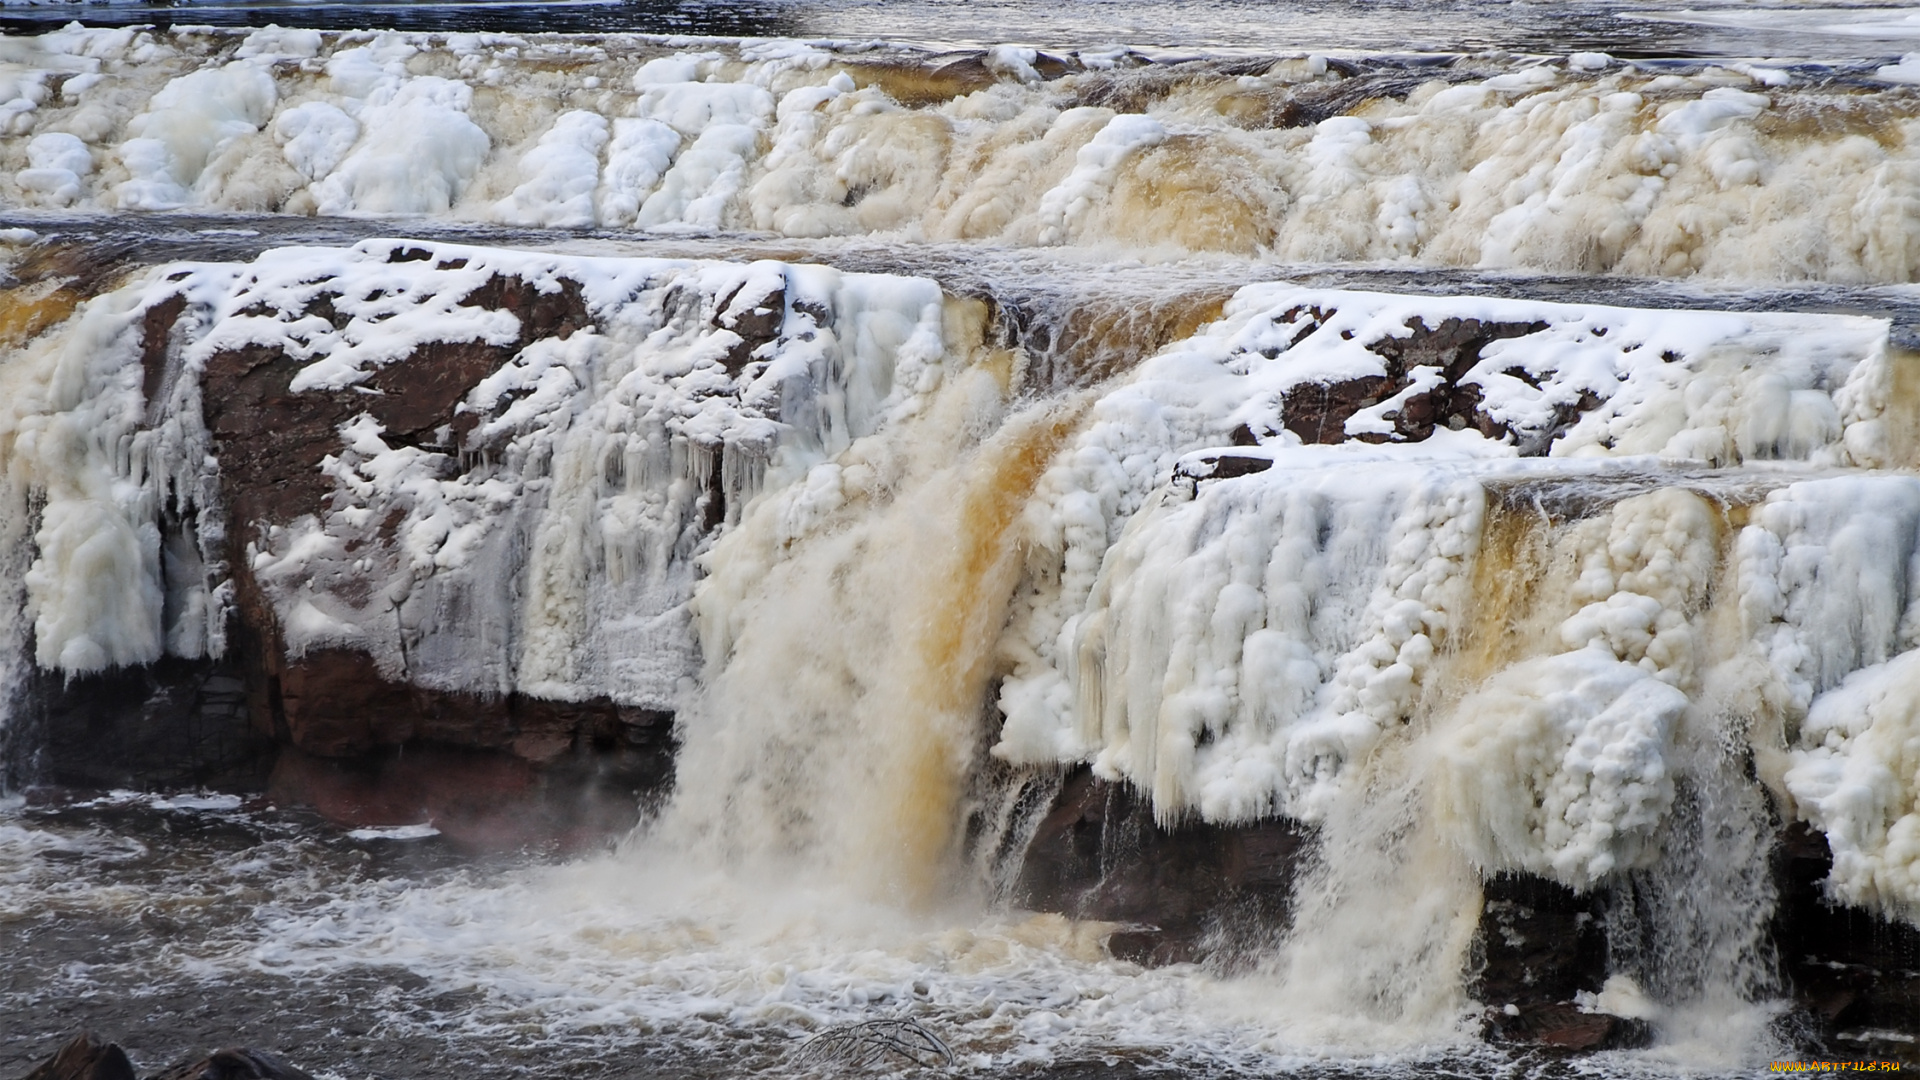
point(1587, 165)
point(1475, 586)
point(1230, 576)
point(547, 549)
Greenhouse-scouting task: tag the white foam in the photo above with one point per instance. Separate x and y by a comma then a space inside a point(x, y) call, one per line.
point(395, 832)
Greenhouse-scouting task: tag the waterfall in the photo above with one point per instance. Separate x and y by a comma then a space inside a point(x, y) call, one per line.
point(967, 484)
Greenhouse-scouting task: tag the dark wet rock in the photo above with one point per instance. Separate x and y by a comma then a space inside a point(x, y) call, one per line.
point(156, 330)
point(235, 1063)
point(1222, 466)
point(1318, 412)
point(173, 723)
point(756, 317)
point(1190, 892)
point(1539, 943)
point(85, 1058)
point(492, 800)
point(1854, 975)
point(1563, 1026)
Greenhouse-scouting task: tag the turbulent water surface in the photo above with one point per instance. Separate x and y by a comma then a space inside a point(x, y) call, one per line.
point(1024, 478)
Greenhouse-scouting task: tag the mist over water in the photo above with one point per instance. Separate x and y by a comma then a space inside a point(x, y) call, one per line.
point(1480, 435)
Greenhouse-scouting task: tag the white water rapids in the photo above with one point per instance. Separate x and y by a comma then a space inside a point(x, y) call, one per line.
point(1606, 600)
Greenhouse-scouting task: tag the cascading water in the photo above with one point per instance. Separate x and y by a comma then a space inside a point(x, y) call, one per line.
point(1093, 626)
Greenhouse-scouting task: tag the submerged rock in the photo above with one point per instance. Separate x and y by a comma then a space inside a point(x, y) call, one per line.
point(235, 1063)
point(85, 1057)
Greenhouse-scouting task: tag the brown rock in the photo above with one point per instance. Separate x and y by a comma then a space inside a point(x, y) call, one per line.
point(1099, 855)
point(156, 328)
point(1318, 412)
point(1562, 1026)
point(85, 1057)
point(488, 800)
point(235, 1063)
point(1222, 466)
point(270, 440)
point(757, 319)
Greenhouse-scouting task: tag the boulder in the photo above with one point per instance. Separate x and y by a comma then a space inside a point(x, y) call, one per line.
point(1854, 975)
point(235, 1063)
point(1186, 893)
point(85, 1057)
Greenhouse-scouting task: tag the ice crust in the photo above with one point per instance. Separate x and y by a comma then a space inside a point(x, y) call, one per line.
point(1594, 165)
point(1193, 600)
point(1236, 646)
point(552, 553)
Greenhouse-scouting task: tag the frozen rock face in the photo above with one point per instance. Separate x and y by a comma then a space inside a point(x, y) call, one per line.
point(438, 494)
point(1225, 609)
point(1563, 166)
point(1408, 622)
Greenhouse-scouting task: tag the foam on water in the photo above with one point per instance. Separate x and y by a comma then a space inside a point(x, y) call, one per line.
point(718, 970)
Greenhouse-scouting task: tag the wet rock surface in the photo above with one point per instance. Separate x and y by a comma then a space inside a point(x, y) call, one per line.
point(489, 801)
point(1854, 974)
point(174, 723)
point(1539, 944)
point(88, 1057)
point(1184, 893)
point(1192, 892)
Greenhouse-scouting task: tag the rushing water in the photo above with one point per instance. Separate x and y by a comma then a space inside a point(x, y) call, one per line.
point(971, 544)
point(1846, 29)
point(177, 924)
